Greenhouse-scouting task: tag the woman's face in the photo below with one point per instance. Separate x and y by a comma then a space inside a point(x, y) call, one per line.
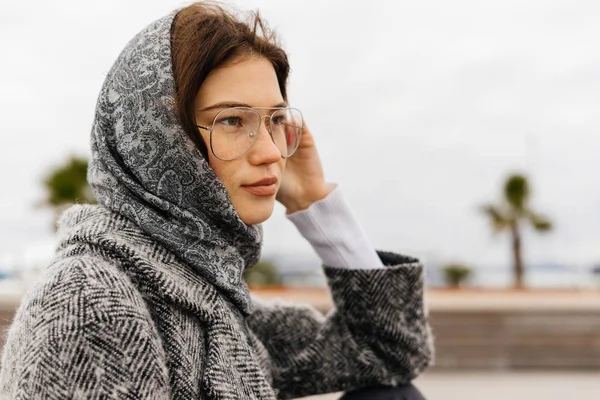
point(249, 82)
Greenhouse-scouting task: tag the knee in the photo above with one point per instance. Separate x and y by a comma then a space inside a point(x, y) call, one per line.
point(405, 392)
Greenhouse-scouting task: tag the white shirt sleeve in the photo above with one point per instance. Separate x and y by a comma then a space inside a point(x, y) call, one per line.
point(334, 233)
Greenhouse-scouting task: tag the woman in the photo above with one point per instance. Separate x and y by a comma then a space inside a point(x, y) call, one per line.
point(192, 143)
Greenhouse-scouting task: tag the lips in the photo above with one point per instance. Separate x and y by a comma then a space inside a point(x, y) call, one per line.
point(268, 190)
point(264, 182)
point(264, 187)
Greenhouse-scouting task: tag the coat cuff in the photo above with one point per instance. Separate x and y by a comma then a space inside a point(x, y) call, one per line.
point(385, 310)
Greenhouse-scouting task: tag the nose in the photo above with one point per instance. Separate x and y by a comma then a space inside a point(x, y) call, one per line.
point(264, 150)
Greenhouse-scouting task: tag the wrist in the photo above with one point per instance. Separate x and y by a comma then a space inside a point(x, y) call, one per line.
point(303, 202)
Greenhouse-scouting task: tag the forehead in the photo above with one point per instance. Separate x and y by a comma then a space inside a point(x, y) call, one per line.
point(251, 81)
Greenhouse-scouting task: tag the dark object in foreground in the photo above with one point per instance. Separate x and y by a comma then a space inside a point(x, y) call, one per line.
point(405, 392)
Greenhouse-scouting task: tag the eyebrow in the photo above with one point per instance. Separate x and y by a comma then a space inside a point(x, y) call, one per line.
point(230, 104)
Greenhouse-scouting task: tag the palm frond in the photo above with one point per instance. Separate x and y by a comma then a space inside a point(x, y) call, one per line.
point(500, 221)
point(539, 222)
point(516, 191)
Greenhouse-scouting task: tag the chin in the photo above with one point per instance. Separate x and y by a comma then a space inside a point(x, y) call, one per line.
point(257, 214)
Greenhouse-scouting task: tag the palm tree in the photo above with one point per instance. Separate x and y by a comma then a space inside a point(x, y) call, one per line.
point(511, 214)
point(264, 273)
point(456, 275)
point(67, 184)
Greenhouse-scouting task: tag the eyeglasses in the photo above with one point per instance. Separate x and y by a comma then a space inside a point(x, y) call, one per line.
point(234, 130)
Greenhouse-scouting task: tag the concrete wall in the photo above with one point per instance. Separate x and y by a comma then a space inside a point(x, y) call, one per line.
point(6, 316)
point(514, 339)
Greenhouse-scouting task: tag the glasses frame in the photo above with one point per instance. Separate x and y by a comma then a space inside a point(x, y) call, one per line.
point(275, 109)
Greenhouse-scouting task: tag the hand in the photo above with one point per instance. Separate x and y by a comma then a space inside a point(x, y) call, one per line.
point(303, 181)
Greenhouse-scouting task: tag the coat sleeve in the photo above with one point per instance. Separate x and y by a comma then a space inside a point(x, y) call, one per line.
point(377, 333)
point(79, 334)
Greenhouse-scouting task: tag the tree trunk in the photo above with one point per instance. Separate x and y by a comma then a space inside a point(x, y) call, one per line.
point(517, 257)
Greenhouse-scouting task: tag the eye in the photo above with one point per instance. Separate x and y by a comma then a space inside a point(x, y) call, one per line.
point(230, 121)
point(278, 120)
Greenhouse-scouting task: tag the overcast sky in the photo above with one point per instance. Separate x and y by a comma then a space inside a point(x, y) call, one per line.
point(419, 109)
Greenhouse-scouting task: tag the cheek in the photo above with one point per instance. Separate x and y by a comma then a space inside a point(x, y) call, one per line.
point(225, 171)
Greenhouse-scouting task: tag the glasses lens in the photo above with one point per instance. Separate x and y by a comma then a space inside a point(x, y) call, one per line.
point(286, 129)
point(234, 131)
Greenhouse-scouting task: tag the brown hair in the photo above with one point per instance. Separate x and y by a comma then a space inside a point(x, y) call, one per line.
point(205, 36)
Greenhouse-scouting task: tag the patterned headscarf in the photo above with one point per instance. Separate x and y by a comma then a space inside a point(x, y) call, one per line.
point(146, 168)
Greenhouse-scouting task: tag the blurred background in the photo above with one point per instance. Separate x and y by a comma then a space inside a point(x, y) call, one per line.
point(464, 133)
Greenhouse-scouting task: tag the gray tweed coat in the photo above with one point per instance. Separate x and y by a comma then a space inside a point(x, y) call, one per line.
point(145, 300)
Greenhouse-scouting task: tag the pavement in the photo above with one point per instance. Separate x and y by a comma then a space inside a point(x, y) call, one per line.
point(556, 385)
